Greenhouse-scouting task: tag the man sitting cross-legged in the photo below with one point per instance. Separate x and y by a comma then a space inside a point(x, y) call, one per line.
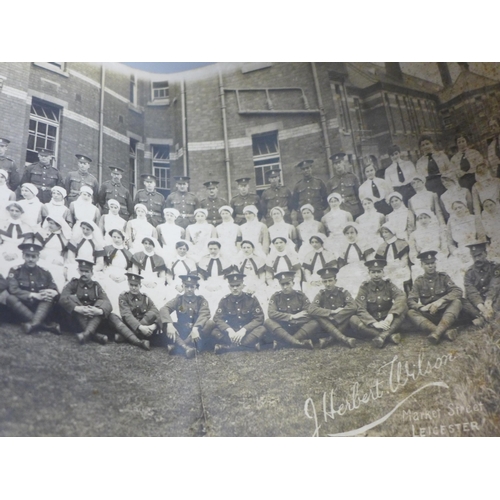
point(434, 301)
point(289, 322)
point(381, 307)
point(332, 308)
point(193, 324)
point(32, 291)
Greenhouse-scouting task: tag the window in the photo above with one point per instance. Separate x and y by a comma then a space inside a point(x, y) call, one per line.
point(43, 129)
point(133, 166)
point(392, 125)
point(161, 167)
point(159, 91)
point(55, 67)
point(133, 90)
point(266, 155)
point(341, 106)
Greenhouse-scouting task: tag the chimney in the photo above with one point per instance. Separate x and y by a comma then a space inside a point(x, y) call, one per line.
point(393, 70)
point(464, 66)
point(445, 74)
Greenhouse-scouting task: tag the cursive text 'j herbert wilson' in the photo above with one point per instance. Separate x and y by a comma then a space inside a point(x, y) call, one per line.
point(391, 377)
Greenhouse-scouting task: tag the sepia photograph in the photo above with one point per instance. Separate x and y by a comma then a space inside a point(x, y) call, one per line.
point(249, 249)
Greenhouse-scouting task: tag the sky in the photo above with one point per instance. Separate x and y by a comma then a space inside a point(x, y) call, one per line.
point(166, 67)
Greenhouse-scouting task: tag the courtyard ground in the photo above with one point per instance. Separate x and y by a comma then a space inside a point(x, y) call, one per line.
point(51, 386)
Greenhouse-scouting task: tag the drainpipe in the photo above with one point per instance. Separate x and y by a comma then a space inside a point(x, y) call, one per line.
point(184, 128)
point(323, 120)
point(101, 126)
point(226, 143)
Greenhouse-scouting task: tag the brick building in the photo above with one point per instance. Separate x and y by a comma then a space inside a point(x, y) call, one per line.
point(232, 119)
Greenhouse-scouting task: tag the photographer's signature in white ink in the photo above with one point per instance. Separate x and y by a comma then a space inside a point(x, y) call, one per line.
point(396, 375)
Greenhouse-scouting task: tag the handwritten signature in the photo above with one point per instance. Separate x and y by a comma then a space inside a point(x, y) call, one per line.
point(397, 374)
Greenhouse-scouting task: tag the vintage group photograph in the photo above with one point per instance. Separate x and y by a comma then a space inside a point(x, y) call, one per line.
point(290, 249)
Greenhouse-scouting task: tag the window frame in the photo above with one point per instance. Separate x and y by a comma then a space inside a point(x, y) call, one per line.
point(59, 68)
point(48, 122)
point(161, 162)
point(265, 161)
point(160, 100)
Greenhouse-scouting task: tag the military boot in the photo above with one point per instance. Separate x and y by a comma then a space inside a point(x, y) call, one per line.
point(126, 333)
point(21, 310)
point(446, 321)
point(334, 334)
point(90, 329)
point(189, 352)
point(42, 311)
point(284, 337)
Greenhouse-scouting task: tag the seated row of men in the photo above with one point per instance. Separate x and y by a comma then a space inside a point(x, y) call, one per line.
point(380, 312)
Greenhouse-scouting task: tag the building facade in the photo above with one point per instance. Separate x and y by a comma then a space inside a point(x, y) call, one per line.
point(226, 121)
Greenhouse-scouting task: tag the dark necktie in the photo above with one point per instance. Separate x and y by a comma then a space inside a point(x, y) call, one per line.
point(211, 265)
point(464, 164)
point(497, 146)
point(432, 167)
point(375, 190)
point(401, 176)
point(315, 258)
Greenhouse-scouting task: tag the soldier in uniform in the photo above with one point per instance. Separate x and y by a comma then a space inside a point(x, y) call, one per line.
point(183, 201)
point(332, 308)
point(138, 319)
point(113, 189)
point(346, 184)
point(212, 203)
point(275, 196)
point(482, 286)
point(288, 322)
point(43, 175)
point(243, 199)
point(239, 319)
point(81, 177)
point(9, 166)
point(434, 302)
point(87, 303)
point(32, 291)
point(193, 326)
point(152, 199)
point(309, 190)
point(381, 307)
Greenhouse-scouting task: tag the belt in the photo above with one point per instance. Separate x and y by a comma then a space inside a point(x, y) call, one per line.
point(186, 215)
point(44, 188)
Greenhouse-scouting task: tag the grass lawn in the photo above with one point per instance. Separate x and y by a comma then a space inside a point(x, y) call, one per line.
point(51, 386)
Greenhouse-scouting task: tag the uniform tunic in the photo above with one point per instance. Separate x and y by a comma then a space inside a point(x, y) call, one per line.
point(9, 165)
point(75, 180)
point(24, 280)
point(79, 293)
point(279, 196)
point(283, 305)
point(313, 191)
point(236, 312)
point(44, 177)
point(482, 283)
point(375, 301)
point(347, 185)
point(239, 202)
point(154, 202)
point(186, 204)
point(137, 310)
point(192, 312)
point(212, 205)
point(115, 191)
point(428, 289)
point(327, 301)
